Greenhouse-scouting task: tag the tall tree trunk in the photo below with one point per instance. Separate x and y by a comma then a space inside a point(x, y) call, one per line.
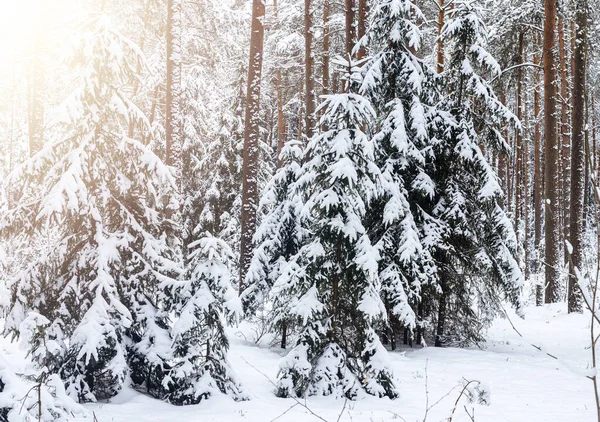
point(537, 178)
point(577, 156)
point(519, 141)
point(440, 41)
point(502, 158)
point(309, 75)
point(586, 190)
point(349, 13)
point(251, 134)
point(171, 89)
point(508, 174)
point(280, 117)
point(552, 207)
point(502, 170)
point(565, 141)
point(300, 118)
point(441, 320)
point(350, 33)
point(420, 329)
point(326, 46)
point(525, 170)
point(363, 12)
point(595, 146)
point(283, 344)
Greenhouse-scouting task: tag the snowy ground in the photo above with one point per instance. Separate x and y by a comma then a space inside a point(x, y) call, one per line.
point(525, 384)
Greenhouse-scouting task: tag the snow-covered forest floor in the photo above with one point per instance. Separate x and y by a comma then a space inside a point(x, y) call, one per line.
point(524, 384)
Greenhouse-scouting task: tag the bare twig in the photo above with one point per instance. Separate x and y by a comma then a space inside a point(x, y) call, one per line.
point(298, 402)
point(534, 65)
point(343, 408)
point(471, 416)
point(426, 393)
point(462, 392)
point(24, 399)
point(438, 401)
point(287, 410)
point(535, 346)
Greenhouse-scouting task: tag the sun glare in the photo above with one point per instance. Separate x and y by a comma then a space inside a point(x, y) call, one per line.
point(30, 28)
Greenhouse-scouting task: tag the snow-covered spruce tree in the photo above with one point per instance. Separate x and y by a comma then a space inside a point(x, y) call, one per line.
point(98, 192)
point(212, 130)
point(217, 200)
point(200, 367)
point(277, 239)
point(476, 246)
point(400, 87)
point(332, 284)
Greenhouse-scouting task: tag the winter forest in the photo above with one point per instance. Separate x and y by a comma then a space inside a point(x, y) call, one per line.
point(299, 210)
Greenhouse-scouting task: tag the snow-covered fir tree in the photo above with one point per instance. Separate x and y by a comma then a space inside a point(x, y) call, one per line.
point(277, 239)
point(212, 130)
point(98, 192)
point(439, 213)
point(216, 202)
point(399, 85)
point(475, 247)
point(201, 303)
point(332, 284)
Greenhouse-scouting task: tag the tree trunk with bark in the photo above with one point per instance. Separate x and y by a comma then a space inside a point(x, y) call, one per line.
point(363, 13)
point(350, 38)
point(350, 33)
point(280, 117)
point(519, 141)
point(171, 97)
point(440, 41)
point(441, 320)
point(309, 75)
point(552, 206)
point(251, 134)
point(565, 141)
point(502, 158)
point(537, 178)
point(525, 171)
point(326, 46)
point(578, 156)
point(594, 146)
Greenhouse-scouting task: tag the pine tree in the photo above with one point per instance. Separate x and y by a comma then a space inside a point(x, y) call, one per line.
point(333, 283)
